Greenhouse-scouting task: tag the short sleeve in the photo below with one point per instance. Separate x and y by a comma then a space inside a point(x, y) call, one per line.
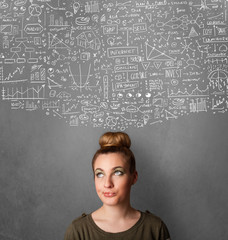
point(164, 232)
point(69, 234)
point(75, 229)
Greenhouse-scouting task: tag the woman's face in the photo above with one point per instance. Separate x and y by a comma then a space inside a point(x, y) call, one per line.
point(113, 179)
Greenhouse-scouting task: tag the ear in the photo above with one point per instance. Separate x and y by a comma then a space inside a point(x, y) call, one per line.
point(135, 177)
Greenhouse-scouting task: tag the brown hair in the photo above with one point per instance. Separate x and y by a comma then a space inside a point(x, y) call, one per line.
point(116, 142)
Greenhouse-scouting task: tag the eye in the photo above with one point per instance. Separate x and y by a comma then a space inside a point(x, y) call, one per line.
point(99, 175)
point(118, 173)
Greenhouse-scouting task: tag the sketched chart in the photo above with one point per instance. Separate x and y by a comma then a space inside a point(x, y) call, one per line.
point(29, 93)
point(80, 81)
point(114, 64)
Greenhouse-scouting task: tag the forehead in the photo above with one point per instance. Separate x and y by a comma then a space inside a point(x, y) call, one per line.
point(110, 160)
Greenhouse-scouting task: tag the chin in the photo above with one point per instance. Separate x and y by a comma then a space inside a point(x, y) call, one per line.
point(108, 201)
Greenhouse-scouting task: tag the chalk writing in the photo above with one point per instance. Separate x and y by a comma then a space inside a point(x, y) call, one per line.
point(114, 64)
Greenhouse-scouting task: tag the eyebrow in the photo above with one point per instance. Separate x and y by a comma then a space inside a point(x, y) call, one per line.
point(100, 169)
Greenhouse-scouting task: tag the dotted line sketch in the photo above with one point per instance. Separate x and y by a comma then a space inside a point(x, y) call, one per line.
point(114, 64)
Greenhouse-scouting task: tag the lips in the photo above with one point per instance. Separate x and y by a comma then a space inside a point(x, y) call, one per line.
point(109, 194)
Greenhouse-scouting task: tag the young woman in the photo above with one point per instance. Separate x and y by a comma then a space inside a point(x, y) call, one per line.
point(114, 174)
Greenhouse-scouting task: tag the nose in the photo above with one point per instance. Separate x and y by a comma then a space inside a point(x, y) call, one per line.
point(108, 182)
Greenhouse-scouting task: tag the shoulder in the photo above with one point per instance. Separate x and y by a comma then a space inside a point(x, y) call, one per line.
point(78, 223)
point(152, 217)
point(80, 220)
point(154, 221)
point(157, 225)
point(76, 226)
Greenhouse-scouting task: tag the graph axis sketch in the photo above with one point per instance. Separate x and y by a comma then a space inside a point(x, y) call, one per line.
point(114, 64)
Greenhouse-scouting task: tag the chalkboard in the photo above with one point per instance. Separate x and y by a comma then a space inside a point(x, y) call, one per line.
point(71, 70)
point(112, 63)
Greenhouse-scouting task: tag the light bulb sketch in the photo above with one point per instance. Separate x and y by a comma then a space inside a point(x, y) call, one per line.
point(76, 7)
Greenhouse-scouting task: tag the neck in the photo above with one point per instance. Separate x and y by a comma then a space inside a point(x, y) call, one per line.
point(117, 212)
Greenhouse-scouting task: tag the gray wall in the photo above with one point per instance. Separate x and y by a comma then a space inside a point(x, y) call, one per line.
point(71, 70)
point(46, 178)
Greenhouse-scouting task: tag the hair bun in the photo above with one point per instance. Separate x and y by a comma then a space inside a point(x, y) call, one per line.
point(115, 139)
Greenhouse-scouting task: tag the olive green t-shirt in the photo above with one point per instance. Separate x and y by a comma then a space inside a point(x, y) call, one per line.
point(148, 227)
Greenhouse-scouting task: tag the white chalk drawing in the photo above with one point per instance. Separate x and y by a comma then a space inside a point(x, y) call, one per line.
point(114, 64)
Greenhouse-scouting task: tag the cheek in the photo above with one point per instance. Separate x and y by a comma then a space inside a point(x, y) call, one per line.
point(97, 186)
point(125, 185)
